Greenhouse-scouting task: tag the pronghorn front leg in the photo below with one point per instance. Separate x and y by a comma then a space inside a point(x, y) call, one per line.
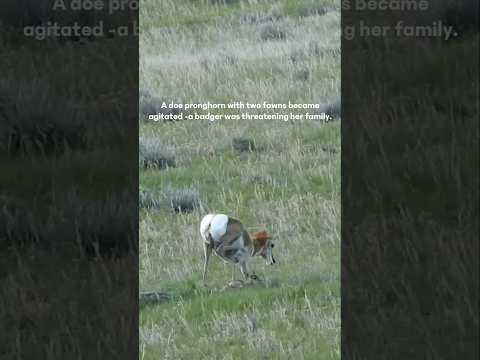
point(243, 269)
point(233, 271)
point(207, 249)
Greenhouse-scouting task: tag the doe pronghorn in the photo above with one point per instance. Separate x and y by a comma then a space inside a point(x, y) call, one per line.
point(230, 241)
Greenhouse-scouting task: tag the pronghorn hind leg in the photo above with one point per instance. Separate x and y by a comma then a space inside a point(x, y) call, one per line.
point(207, 249)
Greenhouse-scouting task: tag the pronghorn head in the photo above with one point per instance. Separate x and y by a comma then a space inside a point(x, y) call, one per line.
point(263, 245)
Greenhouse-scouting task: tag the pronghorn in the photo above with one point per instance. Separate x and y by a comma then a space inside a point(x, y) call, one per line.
point(230, 241)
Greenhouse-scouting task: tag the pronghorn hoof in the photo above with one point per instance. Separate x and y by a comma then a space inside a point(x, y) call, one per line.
point(254, 277)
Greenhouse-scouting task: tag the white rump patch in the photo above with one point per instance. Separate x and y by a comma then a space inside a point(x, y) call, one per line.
point(205, 223)
point(218, 226)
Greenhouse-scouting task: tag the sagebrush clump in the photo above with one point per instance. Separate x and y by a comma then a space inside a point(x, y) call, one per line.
point(259, 17)
point(242, 144)
point(107, 227)
point(272, 32)
point(154, 154)
point(182, 200)
point(223, 2)
point(151, 105)
point(332, 108)
point(149, 200)
point(316, 10)
point(36, 120)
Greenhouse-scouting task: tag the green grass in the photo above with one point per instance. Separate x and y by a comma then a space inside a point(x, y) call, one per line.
point(187, 14)
point(286, 315)
point(290, 184)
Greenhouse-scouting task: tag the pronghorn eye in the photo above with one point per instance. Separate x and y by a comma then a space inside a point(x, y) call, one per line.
point(272, 245)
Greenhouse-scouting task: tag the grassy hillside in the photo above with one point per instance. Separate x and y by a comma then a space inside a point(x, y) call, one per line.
point(287, 181)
